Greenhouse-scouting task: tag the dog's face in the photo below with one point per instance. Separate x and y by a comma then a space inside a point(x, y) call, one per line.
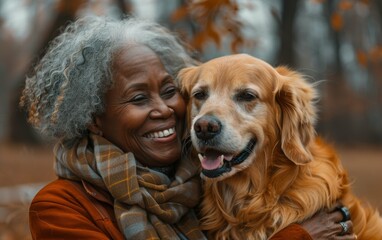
point(238, 105)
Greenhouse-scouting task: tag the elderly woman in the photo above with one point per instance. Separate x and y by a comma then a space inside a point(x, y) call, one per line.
point(106, 91)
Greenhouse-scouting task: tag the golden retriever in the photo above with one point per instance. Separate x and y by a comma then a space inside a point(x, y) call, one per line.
point(263, 165)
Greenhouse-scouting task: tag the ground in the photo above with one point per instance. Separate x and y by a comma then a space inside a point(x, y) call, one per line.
point(23, 169)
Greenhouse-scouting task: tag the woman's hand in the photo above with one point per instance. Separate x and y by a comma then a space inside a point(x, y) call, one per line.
point(330, 224)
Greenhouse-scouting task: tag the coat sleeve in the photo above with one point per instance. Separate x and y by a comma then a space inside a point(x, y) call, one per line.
point(59, 212)
point(292, 232)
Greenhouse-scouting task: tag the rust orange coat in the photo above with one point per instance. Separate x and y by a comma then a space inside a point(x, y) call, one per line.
point(66, 209)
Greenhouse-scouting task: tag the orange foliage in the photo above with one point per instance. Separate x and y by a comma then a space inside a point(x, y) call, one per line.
point(336, 21)
point(362, 58)
point(215, 18)
point(345, 5)
point(318, 1)
point(179, 13)
point(70, 7)
point(366, 58)
point(376, 53)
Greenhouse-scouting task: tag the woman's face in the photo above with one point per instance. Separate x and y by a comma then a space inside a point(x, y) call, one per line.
point(144, 109)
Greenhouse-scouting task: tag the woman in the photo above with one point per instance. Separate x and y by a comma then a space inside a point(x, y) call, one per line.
point(106, 90)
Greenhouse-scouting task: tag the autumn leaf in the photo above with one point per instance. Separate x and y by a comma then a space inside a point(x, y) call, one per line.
point(179, 13)
point(345, 5)
point(213, 34)
point(376, 53)
point(362, 58)
point(198, 40)
point(235, 44)
point(70, 7)
point(336, 21)
point(215, 19)
point(318, 1)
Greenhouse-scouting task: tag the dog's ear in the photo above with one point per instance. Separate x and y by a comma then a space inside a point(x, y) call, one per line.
point(186, 80)
point(297, 115)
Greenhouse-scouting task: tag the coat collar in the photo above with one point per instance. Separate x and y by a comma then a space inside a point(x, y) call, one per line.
point(98, 193)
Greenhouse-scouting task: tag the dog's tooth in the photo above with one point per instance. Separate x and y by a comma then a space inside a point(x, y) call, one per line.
point(221, 160)
point(200, 157)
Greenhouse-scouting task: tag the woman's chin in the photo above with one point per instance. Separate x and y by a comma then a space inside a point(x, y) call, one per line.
point(161, 157)
point(166, 161)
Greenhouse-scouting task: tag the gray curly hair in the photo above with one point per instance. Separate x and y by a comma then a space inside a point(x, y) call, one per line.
point(68, 85)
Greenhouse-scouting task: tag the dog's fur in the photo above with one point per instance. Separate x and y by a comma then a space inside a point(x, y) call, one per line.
point(290, 174)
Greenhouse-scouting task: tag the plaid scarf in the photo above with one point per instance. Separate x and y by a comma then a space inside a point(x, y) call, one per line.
point(147, 204)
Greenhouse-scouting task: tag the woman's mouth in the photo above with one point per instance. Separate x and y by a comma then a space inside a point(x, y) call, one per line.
point(161, 134)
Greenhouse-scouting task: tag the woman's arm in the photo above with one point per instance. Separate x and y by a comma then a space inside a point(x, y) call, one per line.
point(60, 210)
point(50, 220)
point(292, 232)
point(322, 226)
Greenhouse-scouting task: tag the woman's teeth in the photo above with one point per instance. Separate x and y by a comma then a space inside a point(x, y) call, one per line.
point(161, 134)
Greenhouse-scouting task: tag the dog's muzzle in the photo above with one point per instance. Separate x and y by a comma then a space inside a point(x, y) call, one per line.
point(227, 165)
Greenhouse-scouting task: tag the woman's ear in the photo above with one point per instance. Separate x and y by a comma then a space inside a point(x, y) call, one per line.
point(297, 115)
point(96, 126)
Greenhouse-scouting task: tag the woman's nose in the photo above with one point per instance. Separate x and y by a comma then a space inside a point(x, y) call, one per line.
point(161, 110)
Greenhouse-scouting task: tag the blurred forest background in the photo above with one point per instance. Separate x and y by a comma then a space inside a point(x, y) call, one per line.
point(337, 43)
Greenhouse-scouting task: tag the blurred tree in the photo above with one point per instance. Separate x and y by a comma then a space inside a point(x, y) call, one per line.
point(352, 114)
point(356, 34)
point(64, 12)
point(286, 54)
point(19, 130)
point(336, 23)
point(350, 57)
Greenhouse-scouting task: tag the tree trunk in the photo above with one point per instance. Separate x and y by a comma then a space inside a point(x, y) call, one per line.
point(287, 37)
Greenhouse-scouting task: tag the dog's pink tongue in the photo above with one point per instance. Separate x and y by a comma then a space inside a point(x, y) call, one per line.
point(211, 160)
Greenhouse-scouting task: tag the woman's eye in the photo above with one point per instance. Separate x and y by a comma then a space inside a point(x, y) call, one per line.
point(169, 92)
point(138, 98)
point(200, 95)
point(246, 96)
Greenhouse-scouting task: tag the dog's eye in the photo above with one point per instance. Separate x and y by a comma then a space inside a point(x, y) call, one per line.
point(246, 96)
point(200, 95)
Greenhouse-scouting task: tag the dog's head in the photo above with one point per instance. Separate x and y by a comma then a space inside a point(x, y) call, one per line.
point(238, 105)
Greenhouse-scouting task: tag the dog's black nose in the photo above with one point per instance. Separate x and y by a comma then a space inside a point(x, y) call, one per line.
point(207, 127)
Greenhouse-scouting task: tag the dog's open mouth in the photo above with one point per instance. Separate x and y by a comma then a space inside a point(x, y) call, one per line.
point(215, 163)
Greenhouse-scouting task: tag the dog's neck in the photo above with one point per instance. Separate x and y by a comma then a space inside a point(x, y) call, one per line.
point(245, 195)
point(267, 196)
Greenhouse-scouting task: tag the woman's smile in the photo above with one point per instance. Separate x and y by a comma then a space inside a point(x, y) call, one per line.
point(164, 134)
